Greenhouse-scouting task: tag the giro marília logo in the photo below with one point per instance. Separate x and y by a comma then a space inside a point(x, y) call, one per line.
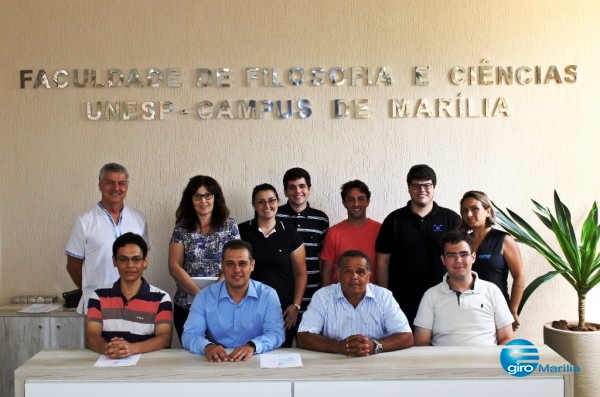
point(519, 357)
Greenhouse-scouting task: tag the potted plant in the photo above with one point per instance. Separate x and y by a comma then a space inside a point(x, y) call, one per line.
point(579, 264)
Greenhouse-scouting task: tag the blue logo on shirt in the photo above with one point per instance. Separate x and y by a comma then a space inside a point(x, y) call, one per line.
point(485, 256)
point(437, 228)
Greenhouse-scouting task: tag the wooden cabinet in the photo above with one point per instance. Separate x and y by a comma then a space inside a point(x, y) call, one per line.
point(24, 335)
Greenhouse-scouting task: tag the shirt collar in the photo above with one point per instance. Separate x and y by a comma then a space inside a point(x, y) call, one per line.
point(279, 225)
point(340, 295)
point(143, 291)
point(434, 210)
point(224, 294)
point(290, 209)
point(474, 290)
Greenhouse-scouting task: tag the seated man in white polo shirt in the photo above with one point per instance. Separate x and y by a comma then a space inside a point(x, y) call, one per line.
point(462, 310)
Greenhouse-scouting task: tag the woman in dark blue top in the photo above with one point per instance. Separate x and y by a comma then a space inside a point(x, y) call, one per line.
point(497, 253)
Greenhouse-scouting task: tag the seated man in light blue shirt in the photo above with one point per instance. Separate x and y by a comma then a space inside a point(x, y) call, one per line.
point(354, 317)
point(237, 313)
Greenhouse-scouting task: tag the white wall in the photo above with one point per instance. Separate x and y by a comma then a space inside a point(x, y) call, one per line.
point(51, 153)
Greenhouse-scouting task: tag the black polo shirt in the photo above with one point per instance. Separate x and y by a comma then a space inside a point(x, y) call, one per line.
point(415, 247)
point(273, 263)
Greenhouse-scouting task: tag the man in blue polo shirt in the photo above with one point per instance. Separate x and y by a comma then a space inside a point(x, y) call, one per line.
point(238, 313)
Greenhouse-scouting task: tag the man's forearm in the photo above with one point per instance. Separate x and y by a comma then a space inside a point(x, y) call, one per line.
point(399, 341)
point(320, 343)
point(75, 270)
point(383, 261)
point(95, 343)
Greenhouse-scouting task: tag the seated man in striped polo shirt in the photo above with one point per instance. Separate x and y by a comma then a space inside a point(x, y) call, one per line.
point(131, 316)
point(354, 317)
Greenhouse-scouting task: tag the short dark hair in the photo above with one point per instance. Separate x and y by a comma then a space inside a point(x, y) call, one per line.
point(186, 214)
point(129, 238)
point(112, 167)
point(421, 172)
point(355, 184)
point(238, 245)
point(295, 173)
point(261, 188)
point(354, 254)
point(456, 236)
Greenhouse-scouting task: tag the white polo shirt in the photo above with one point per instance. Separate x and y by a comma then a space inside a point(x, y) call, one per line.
point(91, 240)
point(468, 319)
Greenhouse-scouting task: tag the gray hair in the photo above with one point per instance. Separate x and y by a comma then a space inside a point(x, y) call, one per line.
point(112, 167)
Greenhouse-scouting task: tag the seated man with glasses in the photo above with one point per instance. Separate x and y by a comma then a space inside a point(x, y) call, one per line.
point(131, 316)
point(462, 310)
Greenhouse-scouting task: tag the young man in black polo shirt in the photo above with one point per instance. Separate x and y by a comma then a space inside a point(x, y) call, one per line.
point(409, 242)
point(311, 224)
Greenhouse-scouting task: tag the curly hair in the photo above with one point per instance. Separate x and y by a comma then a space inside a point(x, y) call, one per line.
point(186, 214)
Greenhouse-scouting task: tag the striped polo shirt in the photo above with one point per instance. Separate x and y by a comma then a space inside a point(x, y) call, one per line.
point(312, 224)
point(133, 320)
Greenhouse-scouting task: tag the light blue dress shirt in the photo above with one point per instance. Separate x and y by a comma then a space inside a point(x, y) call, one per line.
point(331, 315)
point(215, 318)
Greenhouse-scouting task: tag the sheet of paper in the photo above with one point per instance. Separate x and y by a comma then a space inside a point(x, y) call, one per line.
point(280, 360)
point(201, 282)
point(130, 361)
point(40, 308)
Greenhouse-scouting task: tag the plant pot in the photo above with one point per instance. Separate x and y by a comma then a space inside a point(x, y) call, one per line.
point(581, 349)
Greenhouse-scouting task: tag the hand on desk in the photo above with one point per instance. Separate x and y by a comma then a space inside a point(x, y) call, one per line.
point(117, 348)
point(357, 346)
point(218, 353)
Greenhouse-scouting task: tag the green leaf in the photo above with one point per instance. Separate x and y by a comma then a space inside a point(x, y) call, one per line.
point(563, 216)
point(580, 261)
point(534, 285)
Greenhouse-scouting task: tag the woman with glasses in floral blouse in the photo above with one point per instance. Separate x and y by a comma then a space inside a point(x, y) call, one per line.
point(202, 227)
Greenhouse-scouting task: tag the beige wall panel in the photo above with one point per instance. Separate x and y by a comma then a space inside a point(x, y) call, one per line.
point(50, 153)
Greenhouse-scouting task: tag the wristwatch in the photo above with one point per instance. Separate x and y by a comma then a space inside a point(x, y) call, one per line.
point(297, 306)
point(378, 348)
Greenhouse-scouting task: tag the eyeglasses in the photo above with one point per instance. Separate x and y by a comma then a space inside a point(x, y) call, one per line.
point(205, 196)
point(419, 186)
point(262, 203)
point(136, 260)
point(454, 256)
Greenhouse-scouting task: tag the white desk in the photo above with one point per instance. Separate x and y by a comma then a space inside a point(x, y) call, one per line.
point(418, 371)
